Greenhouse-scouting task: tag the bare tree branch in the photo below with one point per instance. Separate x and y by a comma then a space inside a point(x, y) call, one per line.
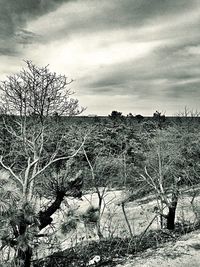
point(10, 171)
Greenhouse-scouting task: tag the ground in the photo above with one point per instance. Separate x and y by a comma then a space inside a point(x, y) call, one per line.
point(183, 253)
point(139, 212)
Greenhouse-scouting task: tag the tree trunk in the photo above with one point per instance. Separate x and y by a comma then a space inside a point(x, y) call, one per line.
point(45, 216)
point(161, 221)
point(171, 218)
point(126, 219)
point(172, 210)
point(24, 252)
point(23, 258)
point(99, 233)
point(75, 191)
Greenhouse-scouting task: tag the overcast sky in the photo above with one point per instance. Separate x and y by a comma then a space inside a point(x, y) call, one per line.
point(128, 55)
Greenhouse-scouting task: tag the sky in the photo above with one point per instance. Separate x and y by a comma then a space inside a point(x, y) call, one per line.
point(134, 56)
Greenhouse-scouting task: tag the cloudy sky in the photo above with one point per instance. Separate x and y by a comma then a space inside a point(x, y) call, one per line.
point(128, 55)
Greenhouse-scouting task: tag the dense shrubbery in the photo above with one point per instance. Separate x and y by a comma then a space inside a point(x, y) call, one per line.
point(123, 154)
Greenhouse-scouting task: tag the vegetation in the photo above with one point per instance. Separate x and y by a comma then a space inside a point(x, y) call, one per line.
point(32, 152)
point(110, 251)
point(48, 156)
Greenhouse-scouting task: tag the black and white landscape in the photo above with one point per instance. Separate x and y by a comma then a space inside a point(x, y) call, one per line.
point(99, 133)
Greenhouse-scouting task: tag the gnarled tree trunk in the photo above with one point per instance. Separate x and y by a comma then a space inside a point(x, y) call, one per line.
point(172, 210)
point(23, 258)
point(24, 251)
point(171, 218)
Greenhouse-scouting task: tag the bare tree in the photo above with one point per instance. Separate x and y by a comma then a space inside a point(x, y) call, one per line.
point(103, 168)
point(37, 91)
point(36, 147)
point(163, 173)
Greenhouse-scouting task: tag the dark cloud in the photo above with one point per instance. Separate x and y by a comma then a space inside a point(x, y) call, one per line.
point(99, 16)
point(112, 15)
point(14, 15)
point(25, 37)
point(159, 75)
point(190, 91)
point(141, 12)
